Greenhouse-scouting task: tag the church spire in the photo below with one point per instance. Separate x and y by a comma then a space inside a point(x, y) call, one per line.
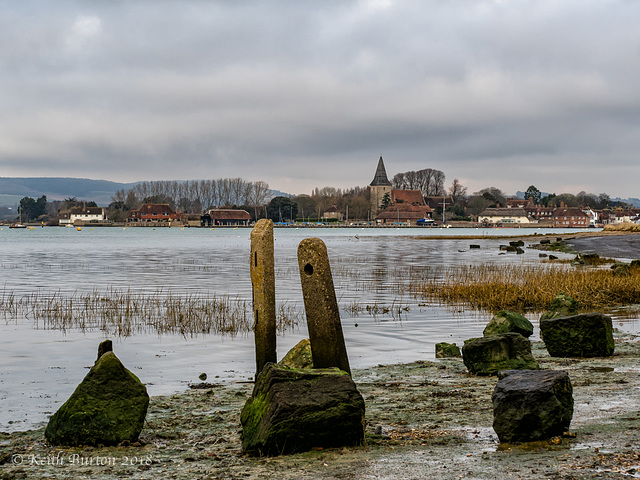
point(380, 177)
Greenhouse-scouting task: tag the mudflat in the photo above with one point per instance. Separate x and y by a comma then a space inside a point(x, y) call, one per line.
point(427, 419)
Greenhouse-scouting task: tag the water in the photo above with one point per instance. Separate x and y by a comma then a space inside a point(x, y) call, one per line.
point(41, 367)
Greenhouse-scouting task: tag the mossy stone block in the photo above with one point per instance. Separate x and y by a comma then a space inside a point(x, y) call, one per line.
point(505, 321)
point(293, 410)
point(506, 351)
point(585, 335)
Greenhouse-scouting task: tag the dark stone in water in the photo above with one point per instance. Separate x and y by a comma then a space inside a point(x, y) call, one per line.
point(531, 405)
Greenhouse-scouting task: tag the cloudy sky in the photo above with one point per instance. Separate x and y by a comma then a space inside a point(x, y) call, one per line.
point(305, 94)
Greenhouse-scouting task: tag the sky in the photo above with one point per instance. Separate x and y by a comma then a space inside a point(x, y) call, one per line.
point(305, 94)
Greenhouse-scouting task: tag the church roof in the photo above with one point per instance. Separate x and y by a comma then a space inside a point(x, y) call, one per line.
point(380, 177)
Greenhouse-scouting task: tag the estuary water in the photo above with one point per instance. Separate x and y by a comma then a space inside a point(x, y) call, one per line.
point(42, 366)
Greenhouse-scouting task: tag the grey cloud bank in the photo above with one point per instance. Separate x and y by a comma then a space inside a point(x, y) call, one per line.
point(306, 94)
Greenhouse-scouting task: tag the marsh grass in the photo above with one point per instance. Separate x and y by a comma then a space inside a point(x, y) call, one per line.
point(528, 288)
point(126, 312)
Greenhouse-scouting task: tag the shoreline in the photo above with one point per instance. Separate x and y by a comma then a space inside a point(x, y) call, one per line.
point(424, 419)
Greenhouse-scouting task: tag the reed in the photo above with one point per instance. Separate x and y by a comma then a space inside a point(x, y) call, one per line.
point(528, 288)
point(126, 312)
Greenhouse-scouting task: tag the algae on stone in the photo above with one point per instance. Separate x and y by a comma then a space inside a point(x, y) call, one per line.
point(585, 335)
point(107, 408)
point(299, 356)
point(293, 410)
point(506, 351)
point(505, 321)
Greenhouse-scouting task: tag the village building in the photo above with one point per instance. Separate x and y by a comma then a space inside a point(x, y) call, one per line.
point(154, 212)
point(403, 213)
point(378, 188)
point(332, 213)
point(518, 203)
point(570, 217)
point(505, 216)
point(539, 213)
point(82, 215)
point(226, 216)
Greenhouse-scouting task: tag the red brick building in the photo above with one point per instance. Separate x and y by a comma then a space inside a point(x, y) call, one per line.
point(565, 217)
point(154, 212)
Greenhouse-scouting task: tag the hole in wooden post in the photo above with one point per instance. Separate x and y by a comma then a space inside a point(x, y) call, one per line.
point(308, 269)
point(255, 257)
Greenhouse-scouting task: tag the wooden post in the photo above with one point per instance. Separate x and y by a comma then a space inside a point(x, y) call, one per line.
point(323, 317)
point(264, 292)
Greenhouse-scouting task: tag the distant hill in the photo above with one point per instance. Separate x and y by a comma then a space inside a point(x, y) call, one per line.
point(12, 189)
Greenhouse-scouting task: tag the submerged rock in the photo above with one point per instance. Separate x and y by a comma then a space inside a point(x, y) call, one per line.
point(505, 321)
point(447, 350)
point(299, 356)
point(532, 405)
point(107, 408)
point(293, 410)
point(585, 335)
point(561, 306)
point(506, 351)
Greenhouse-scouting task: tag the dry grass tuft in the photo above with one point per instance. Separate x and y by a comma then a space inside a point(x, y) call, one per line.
point(522, 288)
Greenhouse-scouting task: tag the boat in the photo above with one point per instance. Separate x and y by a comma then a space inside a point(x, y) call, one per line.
point(19, 224)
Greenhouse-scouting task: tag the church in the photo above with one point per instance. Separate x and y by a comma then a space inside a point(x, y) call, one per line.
point(403, 207)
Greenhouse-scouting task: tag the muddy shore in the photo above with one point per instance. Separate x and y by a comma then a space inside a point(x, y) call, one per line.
point(427, 419)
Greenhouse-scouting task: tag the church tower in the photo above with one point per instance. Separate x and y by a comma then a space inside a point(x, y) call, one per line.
point(378, 188)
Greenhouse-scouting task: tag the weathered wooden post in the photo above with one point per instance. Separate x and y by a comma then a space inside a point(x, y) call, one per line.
point(264, 292)
point(323, 317)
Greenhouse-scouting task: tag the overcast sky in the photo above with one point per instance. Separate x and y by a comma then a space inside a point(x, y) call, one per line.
point(305, 94)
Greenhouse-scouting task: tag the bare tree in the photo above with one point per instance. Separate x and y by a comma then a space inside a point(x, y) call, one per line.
point(456, 190)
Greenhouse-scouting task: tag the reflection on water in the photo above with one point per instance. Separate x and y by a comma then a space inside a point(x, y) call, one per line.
point(42, 367)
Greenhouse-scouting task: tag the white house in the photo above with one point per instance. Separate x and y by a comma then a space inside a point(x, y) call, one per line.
point(505, 216)
point(84, 215)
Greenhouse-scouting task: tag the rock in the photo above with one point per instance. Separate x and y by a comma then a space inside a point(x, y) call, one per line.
point(552, 257)
point(447, 350)
point(299, 356)
point(511, 248)
point(519, 250)
point(621, 270)
point(561, 306)
point(202, 376)
point(474, 246)
point(294, 410)
point(517, 243)
point(107, 408)
point(542, 255)
point(585, 335)
point(545, 241)
point(506, 351)
point(104, 347)
point(531, 405)
point(505, 321)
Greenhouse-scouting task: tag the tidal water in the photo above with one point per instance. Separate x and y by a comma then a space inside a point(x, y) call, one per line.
point(41, 366)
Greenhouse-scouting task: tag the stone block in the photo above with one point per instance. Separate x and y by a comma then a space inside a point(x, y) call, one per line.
point(531, 405)
point(585, 335)
point(505, 321)
point(293, 410)
point(506, 351)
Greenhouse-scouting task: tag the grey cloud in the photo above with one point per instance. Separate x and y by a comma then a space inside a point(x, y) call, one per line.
point(308, 94)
